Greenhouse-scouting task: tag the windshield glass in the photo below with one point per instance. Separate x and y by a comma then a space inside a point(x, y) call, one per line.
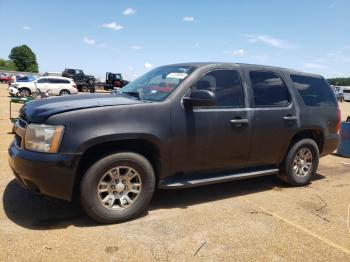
point(159, 83)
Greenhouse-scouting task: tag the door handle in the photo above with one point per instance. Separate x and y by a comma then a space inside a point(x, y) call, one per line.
point(239, 121)
point(290, 118)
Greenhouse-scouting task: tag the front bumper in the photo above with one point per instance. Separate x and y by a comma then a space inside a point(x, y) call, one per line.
point(49, 174)
point(13, 91)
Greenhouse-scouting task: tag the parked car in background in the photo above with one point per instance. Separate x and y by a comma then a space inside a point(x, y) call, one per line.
point(338, 92)
point(177, 126)
point(5, 78)
point(84, 82)
point(54, 84)
point(346, 93)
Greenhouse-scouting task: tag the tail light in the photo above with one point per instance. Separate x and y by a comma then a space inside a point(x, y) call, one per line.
point(338, 120)
point(74, 86)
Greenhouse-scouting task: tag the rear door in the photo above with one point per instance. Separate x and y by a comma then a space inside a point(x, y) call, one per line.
point(274, 116)
point(42, 84)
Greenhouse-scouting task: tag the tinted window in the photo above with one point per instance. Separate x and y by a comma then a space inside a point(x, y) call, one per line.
point(58, 81)
point(70, 71)
point(314, 90)
point(42, 80)
point(226, 85)
point(269, 89)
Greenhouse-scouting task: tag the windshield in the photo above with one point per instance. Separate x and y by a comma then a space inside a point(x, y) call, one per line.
point(159, 83)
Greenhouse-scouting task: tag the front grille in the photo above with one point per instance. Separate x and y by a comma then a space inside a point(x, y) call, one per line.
point(20, 128)
point(18, 140)
point(22, 123)
point(346, 91)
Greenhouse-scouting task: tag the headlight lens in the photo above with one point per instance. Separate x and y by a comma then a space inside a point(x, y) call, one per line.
point(43, 138)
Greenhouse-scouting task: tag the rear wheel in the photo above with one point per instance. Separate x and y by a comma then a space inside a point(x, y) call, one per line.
point(64, 92)
point(300, 163)
point(117, 188)
point(84, 89)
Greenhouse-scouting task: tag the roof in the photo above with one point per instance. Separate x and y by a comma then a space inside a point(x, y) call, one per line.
point(201, 64)
point(59, 77)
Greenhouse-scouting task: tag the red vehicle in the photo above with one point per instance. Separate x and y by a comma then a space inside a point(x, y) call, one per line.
point(4, 78)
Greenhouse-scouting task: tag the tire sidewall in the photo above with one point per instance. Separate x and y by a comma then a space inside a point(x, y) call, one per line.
point(291, 177)
point(88, 192)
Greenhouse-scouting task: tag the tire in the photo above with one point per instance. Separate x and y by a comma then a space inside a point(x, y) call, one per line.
point(84, 89)
point(64, 92)
point(24, 92)
point(96, 176)
point(290, 170)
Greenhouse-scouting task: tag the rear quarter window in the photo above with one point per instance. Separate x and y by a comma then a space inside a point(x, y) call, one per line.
point(314, 90)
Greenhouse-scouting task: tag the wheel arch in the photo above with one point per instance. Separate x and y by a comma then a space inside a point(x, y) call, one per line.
point(315, 134)
point(96, 151)
point(25, 87)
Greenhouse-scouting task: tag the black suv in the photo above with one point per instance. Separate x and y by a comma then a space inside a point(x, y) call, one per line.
point(78, 75)
point(177, 126)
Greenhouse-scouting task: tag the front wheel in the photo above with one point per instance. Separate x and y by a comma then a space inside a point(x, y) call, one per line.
point(300, 163)
point(24, 92)
point(117, 188)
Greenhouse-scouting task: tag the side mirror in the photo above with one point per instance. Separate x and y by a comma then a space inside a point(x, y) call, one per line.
point(200, 98)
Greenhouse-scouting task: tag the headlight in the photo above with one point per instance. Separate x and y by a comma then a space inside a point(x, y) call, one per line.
point(43, 138)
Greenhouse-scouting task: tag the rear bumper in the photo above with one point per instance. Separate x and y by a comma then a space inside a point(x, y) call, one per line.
point(331, 143)
point(49, 174)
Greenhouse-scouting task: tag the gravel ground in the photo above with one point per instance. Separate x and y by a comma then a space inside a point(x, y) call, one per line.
point(258, 219)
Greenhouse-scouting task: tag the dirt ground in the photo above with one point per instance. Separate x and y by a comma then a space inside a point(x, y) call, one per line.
point(259, 219)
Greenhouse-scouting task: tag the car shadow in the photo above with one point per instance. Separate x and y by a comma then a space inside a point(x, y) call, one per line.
point(37, 212)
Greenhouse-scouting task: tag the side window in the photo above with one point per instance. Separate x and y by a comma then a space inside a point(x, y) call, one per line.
point(269, 89)
point(42, 80)
point(64, 81)
point(314, 90)
point(226, 85)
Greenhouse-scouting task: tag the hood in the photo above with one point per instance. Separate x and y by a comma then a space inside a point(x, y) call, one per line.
point(38, 111)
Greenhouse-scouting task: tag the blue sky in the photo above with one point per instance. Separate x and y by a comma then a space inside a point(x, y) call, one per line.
point(133, 36)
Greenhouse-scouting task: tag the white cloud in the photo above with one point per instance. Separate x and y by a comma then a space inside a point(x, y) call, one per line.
point(89, 41)
point(271, 41)
point(238, 52)
point(129, 11)
point(148, 65)
point(26, 27)
point(136, 47)
point(131, 68)
point(113, 26)
point(188, 18)
point(102, 45)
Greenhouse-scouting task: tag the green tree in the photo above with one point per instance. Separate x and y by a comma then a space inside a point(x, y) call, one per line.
point(339, 81)
point(24, 59)
point(7, 65)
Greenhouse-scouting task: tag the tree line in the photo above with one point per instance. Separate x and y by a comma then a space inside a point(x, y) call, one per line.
point(22, 58)
point(339, 81)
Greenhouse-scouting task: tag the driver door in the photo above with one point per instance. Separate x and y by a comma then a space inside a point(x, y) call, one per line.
point(209, 138)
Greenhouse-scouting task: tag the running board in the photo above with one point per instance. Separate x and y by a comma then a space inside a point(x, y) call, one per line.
point(175, 183)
